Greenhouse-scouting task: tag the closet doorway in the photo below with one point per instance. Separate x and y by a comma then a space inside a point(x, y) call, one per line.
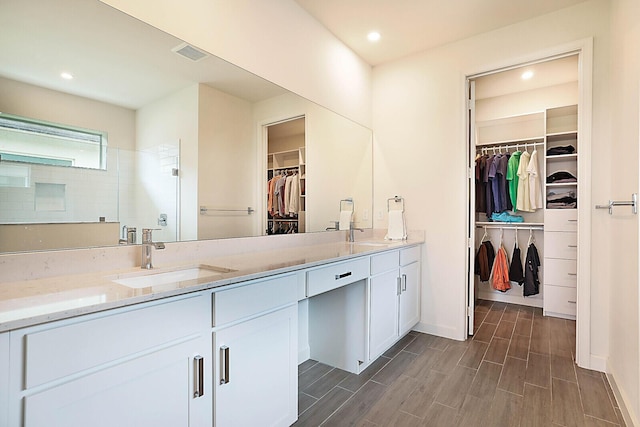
point(286, 177)
point(528, 151)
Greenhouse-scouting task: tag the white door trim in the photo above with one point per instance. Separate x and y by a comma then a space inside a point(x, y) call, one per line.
point(584, 49)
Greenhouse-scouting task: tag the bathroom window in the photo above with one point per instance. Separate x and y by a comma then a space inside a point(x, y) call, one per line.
point(37, 142)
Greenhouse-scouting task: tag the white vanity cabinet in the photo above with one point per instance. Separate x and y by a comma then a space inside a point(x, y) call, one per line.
point(5, 368)
point(255, 344)
point(394, 297)
point(138, 366)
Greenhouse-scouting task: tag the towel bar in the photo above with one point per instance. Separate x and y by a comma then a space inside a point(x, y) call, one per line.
point(633, 203)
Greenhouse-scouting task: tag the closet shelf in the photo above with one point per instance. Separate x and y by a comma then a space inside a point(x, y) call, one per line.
point(562, 184)
point(559, 157)
point(571, 133)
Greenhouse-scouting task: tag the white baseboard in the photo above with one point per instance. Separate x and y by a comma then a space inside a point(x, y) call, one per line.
point(439, 330)
point(630, 419)
point(597, 363)
point(511, 299)
point(304, 354)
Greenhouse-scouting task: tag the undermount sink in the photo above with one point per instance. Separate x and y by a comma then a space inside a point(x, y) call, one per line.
point(145, 279)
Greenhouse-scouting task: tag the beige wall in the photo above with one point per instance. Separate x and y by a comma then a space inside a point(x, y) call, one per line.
point(58, 107)
point(624, 360)
point(276, 40)
point(226, 159)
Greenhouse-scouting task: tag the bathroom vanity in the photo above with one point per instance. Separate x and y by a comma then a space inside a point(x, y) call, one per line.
point(198, 351)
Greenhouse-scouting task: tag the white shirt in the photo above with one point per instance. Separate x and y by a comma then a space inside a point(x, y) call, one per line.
point(523, 201)
point(535, 190)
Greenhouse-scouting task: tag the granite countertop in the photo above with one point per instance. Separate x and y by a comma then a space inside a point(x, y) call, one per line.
point(32, 302)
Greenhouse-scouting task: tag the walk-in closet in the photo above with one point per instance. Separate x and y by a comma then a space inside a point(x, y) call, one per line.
point(286, 177)
point(524, 151)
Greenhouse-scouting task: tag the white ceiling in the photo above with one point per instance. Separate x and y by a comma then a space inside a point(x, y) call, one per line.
point(410, 26)
point(114, 58)
point(545, 74)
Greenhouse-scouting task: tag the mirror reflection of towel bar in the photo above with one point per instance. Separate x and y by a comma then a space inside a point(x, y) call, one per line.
point(633, 203)
point(204, 210)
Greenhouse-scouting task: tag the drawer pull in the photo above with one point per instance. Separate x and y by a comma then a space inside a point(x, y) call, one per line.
point(572, 220)
point(572, 274)
point(224, 364)
point(571, 302)
point(199, 376)
point(572, 246)
point(404, 282)
point(343, 275)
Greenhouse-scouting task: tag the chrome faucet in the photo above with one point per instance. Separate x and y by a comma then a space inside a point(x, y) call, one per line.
point(147, 245)
point(351, 230)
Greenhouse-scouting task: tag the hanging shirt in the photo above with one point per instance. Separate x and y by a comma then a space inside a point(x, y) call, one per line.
point(294, 201)
point(500, 274)
point(515, 270)
point(532, 265)
point(523, 201)
point(484, 261)
point(287, 194)
point(487, 187)
point(480, 190)
point(512, 178)
point(535, 190)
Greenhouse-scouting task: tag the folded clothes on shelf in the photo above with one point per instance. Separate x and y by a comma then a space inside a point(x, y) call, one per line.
point(564, 149)
point(564, 200)
point(561, 176)
point(506, 217)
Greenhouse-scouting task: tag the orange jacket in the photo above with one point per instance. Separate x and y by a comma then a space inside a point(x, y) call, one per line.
point(500, 279)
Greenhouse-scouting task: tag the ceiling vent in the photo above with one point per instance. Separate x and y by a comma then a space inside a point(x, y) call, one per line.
point(190, 52)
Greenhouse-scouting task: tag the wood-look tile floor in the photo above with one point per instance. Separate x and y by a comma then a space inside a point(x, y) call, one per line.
point(517, 370)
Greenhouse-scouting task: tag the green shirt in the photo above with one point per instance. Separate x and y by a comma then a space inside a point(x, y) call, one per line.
point(512, 177)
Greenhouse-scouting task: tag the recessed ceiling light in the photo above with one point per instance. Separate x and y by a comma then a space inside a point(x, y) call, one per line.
point(373, 36)
point(527, 75)
point(66, 76)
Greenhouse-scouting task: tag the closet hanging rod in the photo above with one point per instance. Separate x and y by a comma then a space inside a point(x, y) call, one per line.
point(536, 141)
point(511, 225)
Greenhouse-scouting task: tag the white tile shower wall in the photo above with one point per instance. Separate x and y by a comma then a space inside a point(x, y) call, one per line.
point(89, 195)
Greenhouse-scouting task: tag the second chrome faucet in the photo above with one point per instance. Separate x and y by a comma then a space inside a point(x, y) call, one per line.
point(147, 248)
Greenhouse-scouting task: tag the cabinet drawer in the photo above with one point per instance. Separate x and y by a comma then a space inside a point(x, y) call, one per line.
point(561, 220)
point(560, 245)
point(254, 298)
point(407, 256)
point(335, 275)
point(560, 300)
point(560, 272)
point(384, 262)
point(64, 350)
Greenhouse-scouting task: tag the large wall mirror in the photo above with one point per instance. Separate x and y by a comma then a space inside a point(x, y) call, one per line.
point(182, 141)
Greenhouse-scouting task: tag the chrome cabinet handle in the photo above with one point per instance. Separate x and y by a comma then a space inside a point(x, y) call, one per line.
point(224, 364)
point(404, 282)
point(198, 381)
point(343, 275)
point(398, 286)
point(572, 274)
point(572, 246)
point(571, 302)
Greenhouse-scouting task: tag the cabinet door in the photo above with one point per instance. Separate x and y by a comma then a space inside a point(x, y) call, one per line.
point(410, 297)
point(152, 390)
point(256, 375)
point(384, 290)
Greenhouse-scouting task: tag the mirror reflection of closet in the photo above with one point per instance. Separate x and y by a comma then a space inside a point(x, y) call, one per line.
point(286, 177)
point(514, 113)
